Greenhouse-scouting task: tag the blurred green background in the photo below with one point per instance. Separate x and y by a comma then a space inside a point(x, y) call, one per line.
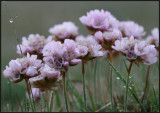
point(37, 17)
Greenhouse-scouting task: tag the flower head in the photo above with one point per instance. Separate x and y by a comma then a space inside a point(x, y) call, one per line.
point(88, 47)
point(146, 52)
point(99, 20)
point(58, 55)
point(136, 50)
point(66, 30)
point(33, 44)
point(154, 38)
point(23, 67)
point(48, 78)
point(130, 28)
point(106, 39)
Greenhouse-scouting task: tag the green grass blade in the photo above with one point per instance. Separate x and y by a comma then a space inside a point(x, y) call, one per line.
point(76, 94)
point(132, 91)
point(19, 103)
point(58, 101)
point(92, 102)
point(154, 106)
point(155, 95)
point(64, 92)
point(95, 71)
point(11, 101)
point(111, 89)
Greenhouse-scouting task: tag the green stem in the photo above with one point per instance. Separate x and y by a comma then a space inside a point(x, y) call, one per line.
point(29, 95)
point(125, 101)
point(64, 90)
point(46, 100)
point(84, 92)
point(10, 95)
point(51, 103)
point(95, 70)
point(146, 83)
point(111, 89)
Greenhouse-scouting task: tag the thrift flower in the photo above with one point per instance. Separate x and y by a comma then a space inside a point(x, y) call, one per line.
point(99, 20)
point(130, 28)
point(154, 38)
point(66, 30)
point(48, 78)
point(23, 67)
point(106, 39)
point(33, 44)
point(58, 55)
point(136, 50)
point(88, 48)
point(147, 53)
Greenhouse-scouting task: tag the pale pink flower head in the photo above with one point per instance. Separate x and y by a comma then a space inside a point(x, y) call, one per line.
point(33, 44)
point(106, 39)
point(154, 38)
point(126, 46)
point(57, 55)
point(70, 52)
point(48, 78)
point(88, 47)
point(99, 20)
point(130, 28)
point(23, 67)
point(136, 50)
point(35, 94)
point(146, 53)
point(66, 30)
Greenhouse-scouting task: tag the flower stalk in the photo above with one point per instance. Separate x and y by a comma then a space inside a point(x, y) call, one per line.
point(84, 92)
point(29, 94)
point(64, 90)
point(127, 84)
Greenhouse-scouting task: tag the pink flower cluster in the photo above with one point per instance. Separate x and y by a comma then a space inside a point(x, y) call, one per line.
point(136, 50)
point(66, 30)
point(48, 78)
point(154, 38)
point(99, 20)
point(33, 44)
point(88, 47)
point(121, 36)
point(44, 60)
point(58, 55)
point(130, 28)
point(23, 67)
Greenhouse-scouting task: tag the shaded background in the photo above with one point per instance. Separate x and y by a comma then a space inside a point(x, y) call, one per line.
point(38, 17)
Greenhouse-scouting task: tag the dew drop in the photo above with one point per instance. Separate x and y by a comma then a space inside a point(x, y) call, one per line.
point(124, 86)
point(130, 77)
point(11, 20)
point(118, 78)
point(130, 88)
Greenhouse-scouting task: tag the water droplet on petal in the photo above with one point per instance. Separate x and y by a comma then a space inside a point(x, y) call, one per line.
point(11, 20)
point(118, 78)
